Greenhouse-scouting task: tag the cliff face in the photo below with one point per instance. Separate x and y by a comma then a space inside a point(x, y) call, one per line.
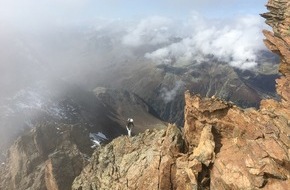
point(278, 18)
point(222, 147)
point(47, 157)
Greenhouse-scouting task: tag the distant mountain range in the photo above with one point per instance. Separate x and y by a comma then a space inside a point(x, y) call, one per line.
point(162, 86)
point(56, 77)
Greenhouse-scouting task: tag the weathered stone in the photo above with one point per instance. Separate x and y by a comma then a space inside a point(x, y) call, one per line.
point(204, 152)
point(160, 164)
point(46, 158)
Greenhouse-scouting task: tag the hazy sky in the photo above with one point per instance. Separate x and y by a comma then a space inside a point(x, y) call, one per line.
point(229, 29)
point(39, 11)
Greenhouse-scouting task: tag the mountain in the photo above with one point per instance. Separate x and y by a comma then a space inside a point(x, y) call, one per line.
point(60, 102)
point(52, 152)
point(96, 56)
point(57, 102)
point(162, 86)
point(129, 105)
point(222, 147)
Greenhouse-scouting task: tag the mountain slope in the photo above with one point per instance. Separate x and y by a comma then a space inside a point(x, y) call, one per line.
point(52, 154)
point(56, 103)
point(162, 86)
point(128, 105)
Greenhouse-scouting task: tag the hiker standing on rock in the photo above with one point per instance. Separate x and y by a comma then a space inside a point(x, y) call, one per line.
point(129, 126)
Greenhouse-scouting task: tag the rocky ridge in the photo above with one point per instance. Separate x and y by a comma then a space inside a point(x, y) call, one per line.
point(222, 147)
point(152, 160)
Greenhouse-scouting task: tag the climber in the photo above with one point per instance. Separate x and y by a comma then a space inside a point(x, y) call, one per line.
point(129, 126)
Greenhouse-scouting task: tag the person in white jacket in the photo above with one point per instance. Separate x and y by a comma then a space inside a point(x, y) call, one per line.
point(129, 126)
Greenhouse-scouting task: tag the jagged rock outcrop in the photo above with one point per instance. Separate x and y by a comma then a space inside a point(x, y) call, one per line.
point(252, 147)
point(152, 160)
point(278, 18)
point(47, 157)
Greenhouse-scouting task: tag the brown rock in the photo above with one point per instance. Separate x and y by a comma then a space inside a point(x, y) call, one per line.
point(153, 160)
point(204, 152)
point(134, 163)
point(46, 158)
point(252, 147)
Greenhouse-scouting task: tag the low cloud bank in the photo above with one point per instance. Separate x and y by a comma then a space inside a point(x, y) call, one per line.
point(150, 31)
point(169, 94)
point(236, 42)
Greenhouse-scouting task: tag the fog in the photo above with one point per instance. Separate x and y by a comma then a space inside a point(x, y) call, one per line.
point(66, 39)
point(71, 50)
point(236, 42)
point(44, 42)
point(169, 94)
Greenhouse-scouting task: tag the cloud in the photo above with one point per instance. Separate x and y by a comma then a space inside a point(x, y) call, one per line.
point(236, 42)
point(150, 31)
point(35, 13)
point(168, 95)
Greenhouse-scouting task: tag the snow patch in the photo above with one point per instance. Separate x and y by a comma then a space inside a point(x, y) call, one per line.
point(97, 139)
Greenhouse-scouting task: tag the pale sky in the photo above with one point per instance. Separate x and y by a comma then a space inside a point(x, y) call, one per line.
point(228, 29)
point(38, 11)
